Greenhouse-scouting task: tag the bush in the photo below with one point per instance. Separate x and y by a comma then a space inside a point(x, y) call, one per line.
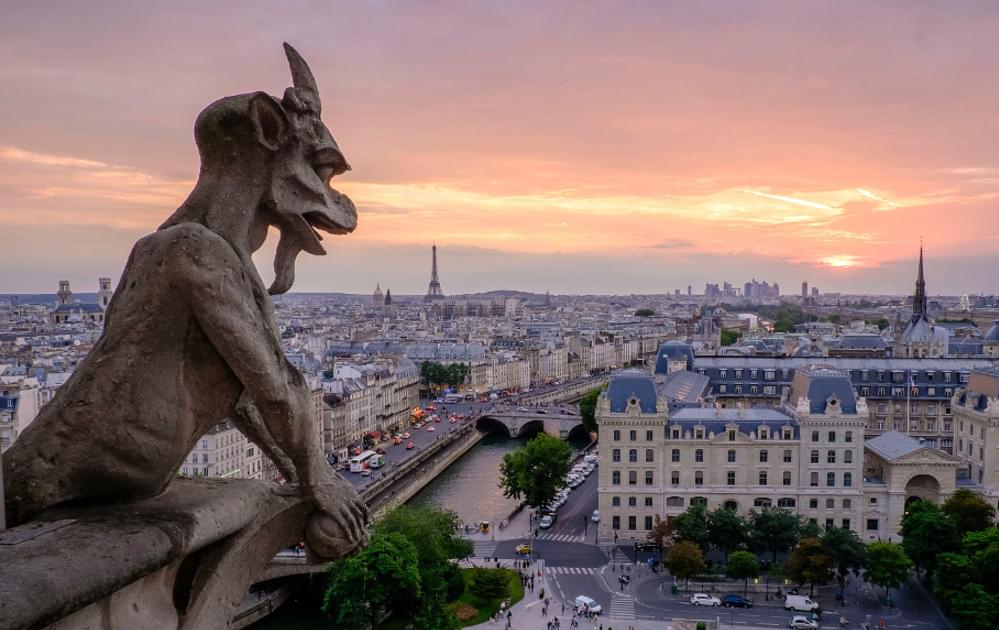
point(455, 583)
point(702, 626)
point(490, 583)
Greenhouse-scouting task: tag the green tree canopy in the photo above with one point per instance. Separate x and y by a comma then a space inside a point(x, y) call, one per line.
point(887, 566)
point(382, 577)
point(742, 565)
point(774, 531)
point(926, 533)
point(728, 337)
point(954, 572)
point(727, 531)
point(685, 560)
point(975, 608)
point(588, 409)
point(692, 526)
point(490, 583)
point(452, 375)
point(810, 563)
point(536, 471)
point(968, 511)
point(846, 553)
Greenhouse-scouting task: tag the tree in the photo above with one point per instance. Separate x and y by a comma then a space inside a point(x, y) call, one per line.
point(490, 583)
point(742, 565)
point(955, 572)
point(644, 312)
point(887, 566)
point(975, 608)
point(588, 409)
point(846, 553)
point(968, 511)
point(662, 532)
point(381, 577)
point(773, 530)
point(809, 563)
point(926, 533)
point(728, 337)
point(685, 560)
point(692, 526)
point(537, 471)
point(726, 530)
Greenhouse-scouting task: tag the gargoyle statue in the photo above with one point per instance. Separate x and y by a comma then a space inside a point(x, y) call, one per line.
point(190, 336)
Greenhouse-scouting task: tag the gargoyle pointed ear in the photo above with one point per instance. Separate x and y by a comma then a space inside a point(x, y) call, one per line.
point(301, 76)
point(269, 121)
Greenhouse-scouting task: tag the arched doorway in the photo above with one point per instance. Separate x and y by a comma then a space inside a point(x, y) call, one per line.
point(731, 505)
point(923, 488)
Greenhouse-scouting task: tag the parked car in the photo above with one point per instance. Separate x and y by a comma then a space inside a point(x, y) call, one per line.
point(380, 450)
point(800, 602)
point(405, 435)
point(801, 622)
point(587, 604)
point(736, 601)
point(431, 428)
point(703, 599)
point(410, 446)
point(595, 517)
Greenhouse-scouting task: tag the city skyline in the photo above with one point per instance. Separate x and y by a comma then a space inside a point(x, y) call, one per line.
point(695, 144)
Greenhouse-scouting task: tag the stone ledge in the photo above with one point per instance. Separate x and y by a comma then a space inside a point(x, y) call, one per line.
point(46, 578)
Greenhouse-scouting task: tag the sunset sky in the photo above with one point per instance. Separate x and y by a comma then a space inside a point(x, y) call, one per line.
point(581, 147)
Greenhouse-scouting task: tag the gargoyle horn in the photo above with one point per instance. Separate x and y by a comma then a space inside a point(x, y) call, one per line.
point(301, 76)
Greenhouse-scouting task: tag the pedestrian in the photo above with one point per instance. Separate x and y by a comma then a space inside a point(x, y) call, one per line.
point(563, 608)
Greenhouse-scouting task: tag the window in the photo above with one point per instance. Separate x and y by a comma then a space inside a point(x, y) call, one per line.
point(731, 436)
point(648, 501)
point(872, 524)
point(763, 434)
point(676, 434)
point(731, 456)
point(617, 435)
point(616, 455)
point(615, 522)
point(815, 457)
point(785, 503)
point(788, 434)
point(787, 456)
point(649, 455)
point(632, 522)
point(847, 504)
point(763, 477)
point(616, 477)
point(763, 456)
point(632, 435)
point(830, 504)
point(831, 457)
point(615, 501)
point(648, 477)
point(632, 502)
point(699, 434)
point(674, 501)
point(830, 479)
point(730, 478)
point(814, 480)
point(699, 455)
point(832, 436)
point(674, 478)
point(675, 455)
point(815, 436)
point(847, 457)
point(633, 477)
point(703, 501)
point(830, 523)
point(698, 478)
point(632, 455)
point(874, 500)
point(762, 502)
point(648, 522)
point(648, 436)
point(847, 479)
point(786, 478)
point(813, 504)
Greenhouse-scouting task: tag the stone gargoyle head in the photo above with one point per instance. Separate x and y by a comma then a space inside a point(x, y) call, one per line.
point(282, 150)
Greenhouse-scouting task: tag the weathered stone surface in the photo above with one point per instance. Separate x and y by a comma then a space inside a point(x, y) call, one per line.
point(190, 338)
point(184, 559)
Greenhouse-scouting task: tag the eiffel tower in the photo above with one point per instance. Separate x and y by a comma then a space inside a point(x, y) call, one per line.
point(434, 290)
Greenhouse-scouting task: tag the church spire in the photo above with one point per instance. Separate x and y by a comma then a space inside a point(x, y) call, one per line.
point(919, 299)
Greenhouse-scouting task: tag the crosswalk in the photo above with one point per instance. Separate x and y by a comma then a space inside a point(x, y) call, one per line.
point(484, 548)
point(573, 538)
point(572, 570)
point(622, 607)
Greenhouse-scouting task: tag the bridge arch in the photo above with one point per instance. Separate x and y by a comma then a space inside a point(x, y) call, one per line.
point(488, 424)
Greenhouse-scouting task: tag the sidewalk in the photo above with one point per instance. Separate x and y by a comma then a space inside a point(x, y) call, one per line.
point(518, 527)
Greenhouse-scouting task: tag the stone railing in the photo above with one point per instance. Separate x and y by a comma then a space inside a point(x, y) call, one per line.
point(184, 559)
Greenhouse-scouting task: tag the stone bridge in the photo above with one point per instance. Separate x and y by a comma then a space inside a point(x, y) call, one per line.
point(553, 421)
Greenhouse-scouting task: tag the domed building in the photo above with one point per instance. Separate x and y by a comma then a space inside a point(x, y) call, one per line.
point(990, 342)
point(377, 299)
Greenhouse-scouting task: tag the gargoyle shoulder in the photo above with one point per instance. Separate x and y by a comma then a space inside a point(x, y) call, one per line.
point(191, 252)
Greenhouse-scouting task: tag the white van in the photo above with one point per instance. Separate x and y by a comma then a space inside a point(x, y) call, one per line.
point(800, 602)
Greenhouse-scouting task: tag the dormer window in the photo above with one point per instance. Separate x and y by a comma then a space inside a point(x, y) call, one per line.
point(764, 434)
point(731, 435)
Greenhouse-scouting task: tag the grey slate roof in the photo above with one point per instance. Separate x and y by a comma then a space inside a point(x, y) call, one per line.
point(715, 420)
point(685, 388)
point(624, 386)
point(673, 350)
point(818, 383)
point(993, 333)
point(893, 445)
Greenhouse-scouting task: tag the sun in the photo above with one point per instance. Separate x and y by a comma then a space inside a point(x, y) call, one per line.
point(843, 261)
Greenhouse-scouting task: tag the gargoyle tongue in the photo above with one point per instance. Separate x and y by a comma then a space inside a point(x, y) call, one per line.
point(288, 248)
